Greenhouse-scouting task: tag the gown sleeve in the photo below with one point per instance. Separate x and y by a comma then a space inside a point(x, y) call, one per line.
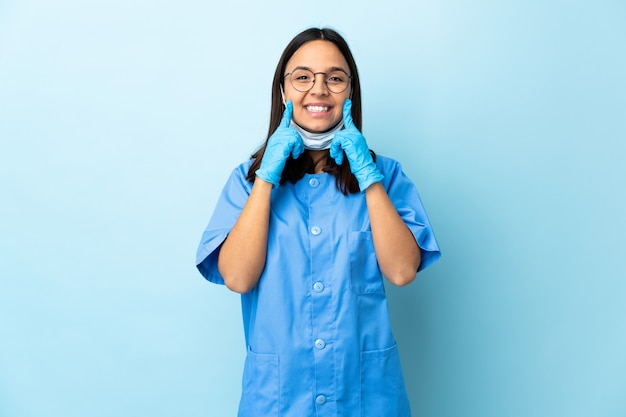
point(406, 199)
point(227, 211)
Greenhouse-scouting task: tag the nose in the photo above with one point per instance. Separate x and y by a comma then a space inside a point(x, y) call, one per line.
point(319, 86)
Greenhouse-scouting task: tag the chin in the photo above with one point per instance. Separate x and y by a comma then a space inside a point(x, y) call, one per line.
point(319, 127)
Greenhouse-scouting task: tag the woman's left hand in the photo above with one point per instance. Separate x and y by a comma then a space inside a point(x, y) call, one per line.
point(351, 141)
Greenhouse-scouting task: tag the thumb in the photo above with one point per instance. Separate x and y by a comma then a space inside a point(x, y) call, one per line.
point(336, 150)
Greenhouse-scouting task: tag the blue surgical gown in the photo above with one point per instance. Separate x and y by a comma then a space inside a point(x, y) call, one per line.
point(316, 325)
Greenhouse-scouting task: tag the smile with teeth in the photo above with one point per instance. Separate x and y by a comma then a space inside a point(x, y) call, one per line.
point(317, 109)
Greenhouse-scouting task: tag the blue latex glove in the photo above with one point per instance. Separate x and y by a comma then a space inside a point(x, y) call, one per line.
point(353, 143)
point(284, 141)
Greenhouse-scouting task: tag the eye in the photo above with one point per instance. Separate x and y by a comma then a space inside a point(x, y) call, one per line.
point(337, 77)
point(302, 76)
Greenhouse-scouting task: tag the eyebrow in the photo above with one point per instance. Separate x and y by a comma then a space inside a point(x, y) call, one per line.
point(331, 69)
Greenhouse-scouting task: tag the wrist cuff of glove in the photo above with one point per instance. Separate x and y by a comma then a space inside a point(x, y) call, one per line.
point(368, 179)
point(268, 177)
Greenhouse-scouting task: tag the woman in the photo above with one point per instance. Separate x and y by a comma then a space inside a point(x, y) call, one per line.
point(305, 231)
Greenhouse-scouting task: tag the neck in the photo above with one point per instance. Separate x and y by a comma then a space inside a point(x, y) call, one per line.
point(319, 159)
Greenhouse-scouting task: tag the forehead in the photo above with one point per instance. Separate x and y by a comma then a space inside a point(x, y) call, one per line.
point(318, 55)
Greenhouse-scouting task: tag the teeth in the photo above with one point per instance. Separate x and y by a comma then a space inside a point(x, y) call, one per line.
point(317, 109)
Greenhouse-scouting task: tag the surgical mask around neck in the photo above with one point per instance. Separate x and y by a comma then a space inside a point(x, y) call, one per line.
point(316, 141)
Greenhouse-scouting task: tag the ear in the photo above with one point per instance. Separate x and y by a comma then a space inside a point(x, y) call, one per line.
point(282, 93)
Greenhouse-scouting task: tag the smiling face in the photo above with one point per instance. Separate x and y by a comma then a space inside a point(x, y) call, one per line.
point(317, 110)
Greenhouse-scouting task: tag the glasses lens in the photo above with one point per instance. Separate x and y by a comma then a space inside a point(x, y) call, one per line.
point(302, 80)
point(337, 81)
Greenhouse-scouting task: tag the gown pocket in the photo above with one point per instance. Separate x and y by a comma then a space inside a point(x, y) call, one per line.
point(383, 393)
point(365, 275)
point(260, 388)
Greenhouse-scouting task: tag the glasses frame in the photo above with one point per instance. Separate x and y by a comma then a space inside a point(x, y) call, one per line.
point(290, 75)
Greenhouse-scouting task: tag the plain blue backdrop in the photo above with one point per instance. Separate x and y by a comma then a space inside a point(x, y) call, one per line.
point(121, 120)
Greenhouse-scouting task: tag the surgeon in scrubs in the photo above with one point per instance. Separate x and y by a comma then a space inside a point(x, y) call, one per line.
point(306, 231)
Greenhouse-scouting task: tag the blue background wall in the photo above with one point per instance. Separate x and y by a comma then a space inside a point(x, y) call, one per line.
point(120, 122)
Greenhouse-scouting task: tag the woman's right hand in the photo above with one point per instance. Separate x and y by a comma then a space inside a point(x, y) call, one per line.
point(284, 141)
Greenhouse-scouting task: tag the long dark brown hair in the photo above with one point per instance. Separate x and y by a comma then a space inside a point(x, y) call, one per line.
point(296, 168)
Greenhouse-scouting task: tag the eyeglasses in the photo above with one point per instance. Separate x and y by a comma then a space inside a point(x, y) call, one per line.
point(303, 80)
